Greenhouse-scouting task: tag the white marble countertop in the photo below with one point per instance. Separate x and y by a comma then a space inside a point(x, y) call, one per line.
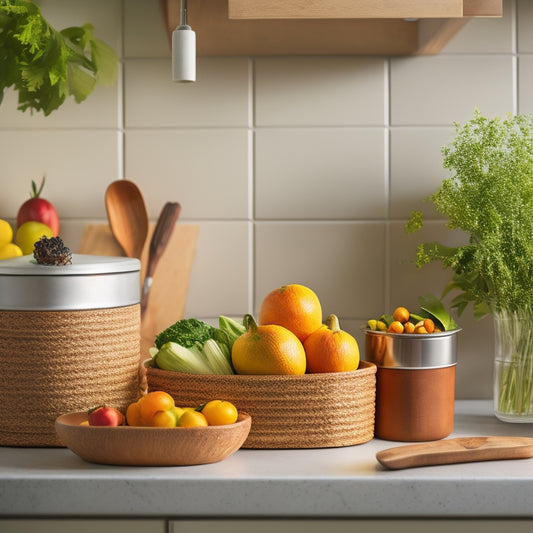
point(335, 482)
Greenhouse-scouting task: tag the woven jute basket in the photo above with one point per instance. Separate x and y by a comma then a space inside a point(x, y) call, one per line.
point(309, 411)
point(55, 362)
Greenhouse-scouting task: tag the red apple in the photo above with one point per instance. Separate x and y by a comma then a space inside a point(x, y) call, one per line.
point(38, 209)
point(106, 416)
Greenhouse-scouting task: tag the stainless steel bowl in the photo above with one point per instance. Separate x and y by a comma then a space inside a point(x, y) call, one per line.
point(411, 350)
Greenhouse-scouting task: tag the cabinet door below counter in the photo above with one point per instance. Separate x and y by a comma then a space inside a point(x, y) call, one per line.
point(58, 525)
point(318, 525)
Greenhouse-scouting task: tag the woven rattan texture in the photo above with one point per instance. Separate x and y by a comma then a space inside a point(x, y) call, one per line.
point(310, 411)
point(54, 362)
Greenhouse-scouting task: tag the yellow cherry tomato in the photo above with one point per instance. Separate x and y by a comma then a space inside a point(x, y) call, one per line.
point(191, 419)
point(220, 413)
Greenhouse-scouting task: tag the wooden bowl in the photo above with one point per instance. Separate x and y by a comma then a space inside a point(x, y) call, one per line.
point(147, 446)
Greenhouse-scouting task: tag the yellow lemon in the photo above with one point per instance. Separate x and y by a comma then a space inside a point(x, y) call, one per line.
point(6, 233)
point(10, 250)
point(29, 233)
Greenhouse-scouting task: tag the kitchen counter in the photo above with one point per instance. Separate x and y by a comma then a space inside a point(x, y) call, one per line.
point(337, 482)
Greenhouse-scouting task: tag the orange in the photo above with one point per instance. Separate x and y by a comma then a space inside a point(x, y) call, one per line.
point(330, 349)
point(401, 314)
point(220, 413)
point(153, 402)
point(133, 414)
point(192, 419)
point(269, 349)
point(396, 327)
point(294, 307)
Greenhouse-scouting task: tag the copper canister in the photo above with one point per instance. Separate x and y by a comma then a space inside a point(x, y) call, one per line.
point(415, 384)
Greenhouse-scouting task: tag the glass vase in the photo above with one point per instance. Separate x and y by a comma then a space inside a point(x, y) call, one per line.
point(513, 373)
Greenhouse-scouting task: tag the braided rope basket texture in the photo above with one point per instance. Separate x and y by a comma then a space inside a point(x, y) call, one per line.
point(309, 411)
point(55, 362)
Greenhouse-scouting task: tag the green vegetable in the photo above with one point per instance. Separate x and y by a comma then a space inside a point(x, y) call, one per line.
point(490, 197)
point(46, 66)
point(186, 332)
point(435, 310)
point(232, 328)
point(198, 359)
point(193, 346)
point(175, 357)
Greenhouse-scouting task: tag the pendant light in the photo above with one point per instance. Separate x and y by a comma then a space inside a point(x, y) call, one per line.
point(183, 49)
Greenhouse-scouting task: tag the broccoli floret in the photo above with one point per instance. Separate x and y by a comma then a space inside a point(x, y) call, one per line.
point(186, 332)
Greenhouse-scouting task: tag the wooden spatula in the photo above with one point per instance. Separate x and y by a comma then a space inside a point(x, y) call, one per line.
point(458, 450)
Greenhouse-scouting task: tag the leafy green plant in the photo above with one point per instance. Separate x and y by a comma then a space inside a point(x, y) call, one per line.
point(489, 196)
point(46, 66)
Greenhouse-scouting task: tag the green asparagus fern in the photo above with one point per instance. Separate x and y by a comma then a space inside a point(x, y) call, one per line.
point(489, 196)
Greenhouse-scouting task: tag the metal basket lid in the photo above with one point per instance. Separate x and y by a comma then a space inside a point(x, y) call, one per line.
point(90, 282)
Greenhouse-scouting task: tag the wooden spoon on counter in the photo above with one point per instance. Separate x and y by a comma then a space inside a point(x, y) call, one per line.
point(127, 216)
point(458, 450)
point(162, 232)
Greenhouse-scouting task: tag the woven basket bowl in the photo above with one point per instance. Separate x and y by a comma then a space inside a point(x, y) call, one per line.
point(309, 411)
point(53, 362)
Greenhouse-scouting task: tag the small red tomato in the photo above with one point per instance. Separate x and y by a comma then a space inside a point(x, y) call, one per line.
point(38, 209)
point(106, 416)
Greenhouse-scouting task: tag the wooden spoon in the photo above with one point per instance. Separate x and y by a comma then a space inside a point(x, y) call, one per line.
point(458, 450)
point(162, 232)
point(127, 216)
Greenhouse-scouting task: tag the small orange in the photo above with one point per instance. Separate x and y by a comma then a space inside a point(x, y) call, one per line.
point(429, 325)
point(396, 327)
point(220, 413)
point(330, 349)
point(294, 307)
point(408, 327)
point(269, 349)
point(133, 414)
point(151, 403)
point(192, 419)
point(401, 314)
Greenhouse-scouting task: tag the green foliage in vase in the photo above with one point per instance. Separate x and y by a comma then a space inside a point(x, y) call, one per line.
point(46, 66)
point(489, 196)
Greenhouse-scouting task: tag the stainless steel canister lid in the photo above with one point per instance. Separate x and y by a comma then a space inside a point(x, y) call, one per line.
point(90, 282)
point(409, 350)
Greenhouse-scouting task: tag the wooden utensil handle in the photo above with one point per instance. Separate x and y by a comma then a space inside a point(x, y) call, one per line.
point(162, 232)
point(457, 450)
point(163, 229)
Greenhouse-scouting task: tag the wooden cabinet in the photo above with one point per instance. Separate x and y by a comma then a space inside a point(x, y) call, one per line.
point(325, 27)
point(220, 525)
point(59, 525)
point(397, 525)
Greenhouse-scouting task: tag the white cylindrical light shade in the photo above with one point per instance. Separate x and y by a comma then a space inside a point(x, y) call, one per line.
point(183, 54)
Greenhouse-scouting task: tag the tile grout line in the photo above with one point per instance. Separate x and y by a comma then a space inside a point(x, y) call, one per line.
point(388, 106)
point(122, 95)
point(252, 270)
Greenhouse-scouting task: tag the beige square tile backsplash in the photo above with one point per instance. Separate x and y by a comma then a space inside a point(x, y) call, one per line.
point(296, 169)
